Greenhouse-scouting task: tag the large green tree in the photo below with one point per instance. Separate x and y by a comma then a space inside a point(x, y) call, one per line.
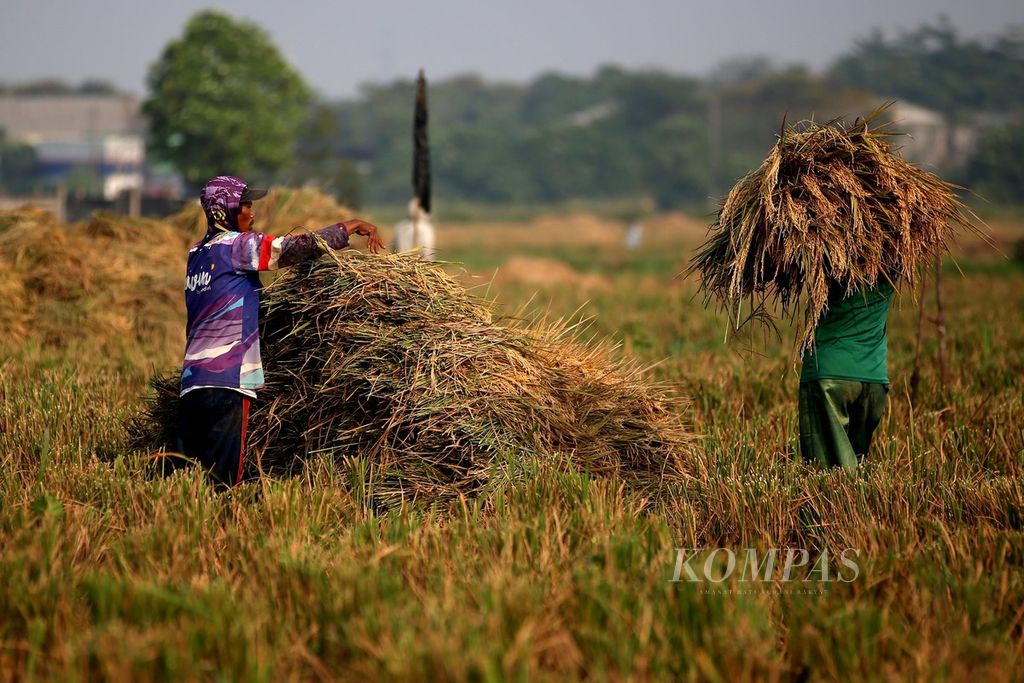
point(223, 100)
point(995, 168)
point(935, 67)
point(320, 161)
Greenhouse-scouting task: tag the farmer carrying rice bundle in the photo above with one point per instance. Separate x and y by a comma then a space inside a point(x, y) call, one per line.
point(823, 233)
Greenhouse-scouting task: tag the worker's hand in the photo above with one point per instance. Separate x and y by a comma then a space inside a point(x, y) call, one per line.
point(367, 230)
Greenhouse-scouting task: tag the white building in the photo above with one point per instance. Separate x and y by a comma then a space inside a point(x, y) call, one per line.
point(931, 140)
point(95, 136)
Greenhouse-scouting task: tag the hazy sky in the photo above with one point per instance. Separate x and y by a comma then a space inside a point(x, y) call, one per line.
point(337, 45)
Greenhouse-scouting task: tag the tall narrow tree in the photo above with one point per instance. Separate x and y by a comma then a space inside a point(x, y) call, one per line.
point(421, 146)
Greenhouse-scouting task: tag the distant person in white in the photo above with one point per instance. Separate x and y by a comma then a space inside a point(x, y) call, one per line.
point(634, 235)
point(415, 231)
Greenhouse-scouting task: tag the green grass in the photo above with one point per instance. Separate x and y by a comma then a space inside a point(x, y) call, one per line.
point(108, 574)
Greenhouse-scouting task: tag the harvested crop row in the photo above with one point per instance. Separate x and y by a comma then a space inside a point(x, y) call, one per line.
point(388, 359)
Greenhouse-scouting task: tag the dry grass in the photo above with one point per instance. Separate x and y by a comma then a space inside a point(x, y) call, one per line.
point(547, 273)
point(110, 575)
point(114, 279)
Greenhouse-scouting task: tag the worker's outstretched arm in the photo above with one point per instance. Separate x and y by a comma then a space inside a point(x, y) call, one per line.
point(253, 251)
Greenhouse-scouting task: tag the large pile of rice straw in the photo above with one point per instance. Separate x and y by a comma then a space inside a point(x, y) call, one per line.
point(832, 210)
point(113, 281)
point(388, 361)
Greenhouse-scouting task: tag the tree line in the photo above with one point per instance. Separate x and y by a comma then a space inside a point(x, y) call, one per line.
point(677, 139)
point(221, 98)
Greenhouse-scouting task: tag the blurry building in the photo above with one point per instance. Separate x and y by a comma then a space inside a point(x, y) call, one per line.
point(932, 140)
point(105, 164)
point(90, 143)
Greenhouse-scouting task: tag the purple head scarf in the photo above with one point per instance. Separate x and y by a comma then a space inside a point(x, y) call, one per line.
point(220, 198)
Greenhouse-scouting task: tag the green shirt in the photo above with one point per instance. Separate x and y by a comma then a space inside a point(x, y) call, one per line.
point(850, 340)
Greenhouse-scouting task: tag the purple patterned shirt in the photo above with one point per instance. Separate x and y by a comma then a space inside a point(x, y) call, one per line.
point(222, 296)
point(222, 290)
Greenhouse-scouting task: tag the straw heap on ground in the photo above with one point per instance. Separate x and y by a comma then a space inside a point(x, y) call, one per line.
point(106, 279)
point(832, 210)
point(387, 364)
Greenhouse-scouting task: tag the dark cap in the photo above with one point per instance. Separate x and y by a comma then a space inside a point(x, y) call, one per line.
point(251, 194)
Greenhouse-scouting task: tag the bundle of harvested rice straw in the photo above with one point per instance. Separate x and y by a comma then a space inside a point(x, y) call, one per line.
point(832, 210)
point(387, 361)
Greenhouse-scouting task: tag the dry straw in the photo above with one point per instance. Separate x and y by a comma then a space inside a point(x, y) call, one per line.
point(388, 364)
point(832, 210)
point(113, 280)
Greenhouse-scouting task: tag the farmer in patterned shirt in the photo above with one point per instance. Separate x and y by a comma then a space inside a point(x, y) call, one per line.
point(222, 369)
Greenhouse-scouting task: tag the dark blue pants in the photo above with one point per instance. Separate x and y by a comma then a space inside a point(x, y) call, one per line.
point(211, 431)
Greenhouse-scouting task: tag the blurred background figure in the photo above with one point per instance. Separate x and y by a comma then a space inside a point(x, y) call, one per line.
point(634, 235)
point(415, 231)
point(418, 230)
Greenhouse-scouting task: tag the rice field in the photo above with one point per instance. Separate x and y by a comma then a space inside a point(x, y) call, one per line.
point(108, 573)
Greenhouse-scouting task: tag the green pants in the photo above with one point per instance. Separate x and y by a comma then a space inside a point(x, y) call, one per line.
point(837, 419)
